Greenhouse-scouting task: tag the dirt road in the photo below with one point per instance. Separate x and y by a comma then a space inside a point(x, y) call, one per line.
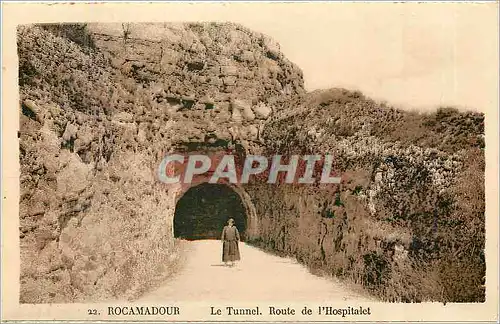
point(258, 276)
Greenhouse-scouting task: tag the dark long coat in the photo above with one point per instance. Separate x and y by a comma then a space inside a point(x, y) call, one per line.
point(230, 239)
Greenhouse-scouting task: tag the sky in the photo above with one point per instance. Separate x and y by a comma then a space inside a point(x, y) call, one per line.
point(417, 56)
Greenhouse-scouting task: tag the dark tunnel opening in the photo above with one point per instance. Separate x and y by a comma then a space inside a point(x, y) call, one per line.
point(203, 210)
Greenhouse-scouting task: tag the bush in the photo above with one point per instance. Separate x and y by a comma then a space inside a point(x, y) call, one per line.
point(77, 33)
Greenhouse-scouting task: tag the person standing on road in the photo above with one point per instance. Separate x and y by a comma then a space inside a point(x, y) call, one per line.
point(230, 239)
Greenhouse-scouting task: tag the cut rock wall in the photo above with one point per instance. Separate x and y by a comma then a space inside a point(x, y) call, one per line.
point(407, 220)
point(101, 104)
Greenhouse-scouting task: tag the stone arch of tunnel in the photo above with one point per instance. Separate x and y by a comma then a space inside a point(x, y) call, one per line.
point(202, 210)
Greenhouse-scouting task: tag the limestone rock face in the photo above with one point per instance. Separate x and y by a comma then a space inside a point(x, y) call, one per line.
point(101, 105)
point(406, 179)
point(237, 115)
point(236, 68)
point(262, 111)
point(243, 108)
point(95, 124)
point(247, 64)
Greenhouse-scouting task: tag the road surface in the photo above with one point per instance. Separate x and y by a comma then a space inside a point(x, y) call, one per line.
point(259, 276)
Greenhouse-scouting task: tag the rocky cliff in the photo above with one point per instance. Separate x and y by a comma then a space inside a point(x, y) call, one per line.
point(100, 105)
point(407, 221)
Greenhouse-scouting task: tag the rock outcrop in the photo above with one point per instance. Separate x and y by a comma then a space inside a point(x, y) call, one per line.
point(216, 73)
point(102, 103)
point(412, 184)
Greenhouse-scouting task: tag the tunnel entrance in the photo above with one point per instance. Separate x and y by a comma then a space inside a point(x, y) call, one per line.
point(203, 210)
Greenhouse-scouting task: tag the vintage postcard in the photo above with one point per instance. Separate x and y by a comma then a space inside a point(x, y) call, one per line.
point(250, 162)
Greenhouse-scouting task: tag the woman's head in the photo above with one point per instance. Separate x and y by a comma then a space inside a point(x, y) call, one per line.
point(230, 221)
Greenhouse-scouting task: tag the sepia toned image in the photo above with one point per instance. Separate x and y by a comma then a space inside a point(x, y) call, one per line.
point(182, 162)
